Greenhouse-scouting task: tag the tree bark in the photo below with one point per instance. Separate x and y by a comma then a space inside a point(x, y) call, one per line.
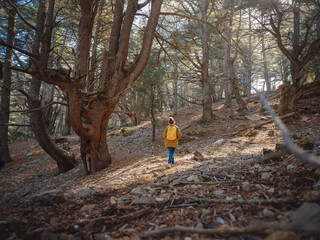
point(116, 80)
point(90, 112)
point(153, 118)
point(64, 159)
point(47, 94)
point(231, 74)
point(94, 57)
point(6, 88)
point(94, 148)
point(265, 66)
point(248, 91)
point(175, 86)
point(207, 113)
point(299, 53)
point(227, 85)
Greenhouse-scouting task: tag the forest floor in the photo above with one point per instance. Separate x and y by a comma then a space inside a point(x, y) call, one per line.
point(220, 188)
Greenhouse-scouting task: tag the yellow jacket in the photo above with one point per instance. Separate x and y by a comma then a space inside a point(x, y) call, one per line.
point(171, 143)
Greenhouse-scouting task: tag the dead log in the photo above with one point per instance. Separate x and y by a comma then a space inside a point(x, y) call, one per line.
point(224, 230)
point(259, 124)
point(91, 223)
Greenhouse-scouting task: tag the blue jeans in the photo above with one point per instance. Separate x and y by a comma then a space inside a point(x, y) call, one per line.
point(171, 153)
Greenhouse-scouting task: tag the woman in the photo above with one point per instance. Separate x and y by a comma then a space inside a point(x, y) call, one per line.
point(171, 137)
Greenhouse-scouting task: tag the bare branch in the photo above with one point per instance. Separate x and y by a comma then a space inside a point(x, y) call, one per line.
point(18, 49)
point(40, 108)
point(196, 103)
point(226, 230)
point(143, 4)
point(177, 48)
point(237, 201)
point(199, 20)
point(15, 125)
point(18, 59)
point(21, 70)
point(19, 14)
point(293, 148)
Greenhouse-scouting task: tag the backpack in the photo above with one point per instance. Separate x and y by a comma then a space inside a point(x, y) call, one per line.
point(172, 133)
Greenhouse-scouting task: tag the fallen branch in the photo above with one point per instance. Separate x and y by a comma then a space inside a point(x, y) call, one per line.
point(237, 201)
point(253, 161)
point(259, 124)
point(124, 218)
point(225, 230)
point(293, 148)
point(183, 205)
point(268, 157)
point(205, 183)
point(14, 125)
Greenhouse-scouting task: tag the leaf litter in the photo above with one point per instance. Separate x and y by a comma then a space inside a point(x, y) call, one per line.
point(218, 188)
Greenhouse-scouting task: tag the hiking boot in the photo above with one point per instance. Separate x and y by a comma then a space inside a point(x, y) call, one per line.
point(169, 166)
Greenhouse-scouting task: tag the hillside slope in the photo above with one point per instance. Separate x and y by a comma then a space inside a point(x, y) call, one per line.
point(212, 185)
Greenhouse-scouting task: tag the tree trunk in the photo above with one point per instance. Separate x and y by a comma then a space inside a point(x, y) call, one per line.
point(292, 92)
point(94, 51)
point(153, 118)
point(231, 74)
point(47, 94)
point(67, 125)
point(90, 112)
point(265, 66)
point(227, 85)
point(235, 84)
point(207, 113)
point(94, 149)
point(182, 94)
point(64, 159)
point(6, 88)
point(289, 99)
point(213, 83)
point(249, 58)
point(175, 86)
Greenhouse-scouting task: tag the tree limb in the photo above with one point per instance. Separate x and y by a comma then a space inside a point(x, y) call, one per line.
point(18, 49)
point(20, 15)
point(237, 201)
point(15, 125)
point(112, 220)
point(293, 148)
point(260, 124)
point(199, 20)
point(37, 109)
point(225, 230)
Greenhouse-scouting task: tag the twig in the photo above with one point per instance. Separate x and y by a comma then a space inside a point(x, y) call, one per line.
point(20, 15)
point(2, 42)
point(123, 218)
point(37, 109)
point(183, 205)
point(259, 124)
point(204, 183)
point(225, 230)
point(293, 148)
point(268, 157)
point(15, 125)
point(238, 201)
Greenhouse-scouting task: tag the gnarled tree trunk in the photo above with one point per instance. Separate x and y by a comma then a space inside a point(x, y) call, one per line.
point(64, 159)
point(6, 89)
point(300, 50)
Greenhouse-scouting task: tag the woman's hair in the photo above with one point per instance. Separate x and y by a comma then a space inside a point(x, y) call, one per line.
point(171, 120)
